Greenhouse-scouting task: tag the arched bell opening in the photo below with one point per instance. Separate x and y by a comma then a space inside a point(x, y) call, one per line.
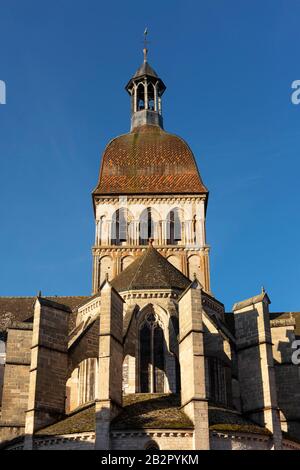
point(140, 97)
point(149, 226)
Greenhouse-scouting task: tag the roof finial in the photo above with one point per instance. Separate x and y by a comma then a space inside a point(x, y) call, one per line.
point(263, 290)
point(145, 50)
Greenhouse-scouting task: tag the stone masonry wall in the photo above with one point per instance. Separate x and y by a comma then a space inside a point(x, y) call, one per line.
point(16, 375)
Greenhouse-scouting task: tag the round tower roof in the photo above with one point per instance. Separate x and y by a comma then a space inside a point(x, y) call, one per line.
point(148, 160)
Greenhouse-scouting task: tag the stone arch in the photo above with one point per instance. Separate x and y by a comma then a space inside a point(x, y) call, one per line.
point(175, 261)
point(120, 226)
point(140, 96)
point(194, 267)
point(102, 230)
point(126, 261)
point(105, 268)
point(152, 97)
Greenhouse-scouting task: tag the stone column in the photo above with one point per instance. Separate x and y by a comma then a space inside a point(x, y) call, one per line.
point(255, 363)
point(146, 94)
point(135, 237)
point(192, 364)
point(109, 397)
point(155, 97)
point(109, 230)
point(135, 99)
point(188, 232)
point(164, 232)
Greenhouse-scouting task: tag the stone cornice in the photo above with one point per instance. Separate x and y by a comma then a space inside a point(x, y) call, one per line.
point(282, 322)
point(152, 199)
point(152, 433)
point(165, 249)
point(238, 435)
point(148, 294)
point(212, 304)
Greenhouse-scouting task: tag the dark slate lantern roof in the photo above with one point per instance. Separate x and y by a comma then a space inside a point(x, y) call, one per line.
point(145, 69)
point(150, 270)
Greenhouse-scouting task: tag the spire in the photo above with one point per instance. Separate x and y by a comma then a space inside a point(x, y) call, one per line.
point(146, 90)
point(145, 50)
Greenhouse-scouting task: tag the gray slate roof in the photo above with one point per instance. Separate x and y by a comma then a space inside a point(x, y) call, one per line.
point(20, 309)
point(145, 69)
point(150, 271)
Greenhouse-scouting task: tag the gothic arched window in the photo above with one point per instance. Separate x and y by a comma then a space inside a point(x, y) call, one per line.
point(151, 355)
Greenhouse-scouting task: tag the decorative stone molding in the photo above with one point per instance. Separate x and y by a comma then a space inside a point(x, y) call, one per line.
point(152, 433)
point(211, 304)
point(240, 436)
point(63, 439)
point(155, 199)
point(148, 294)
point(100, 250)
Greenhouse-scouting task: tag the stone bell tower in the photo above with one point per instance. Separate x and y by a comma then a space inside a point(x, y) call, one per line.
point(149, 187)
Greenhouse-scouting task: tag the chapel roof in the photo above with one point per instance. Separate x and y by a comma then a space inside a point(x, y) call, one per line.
point(150, 270)
point(20, 309)
point(151, 411)
point(148, 160)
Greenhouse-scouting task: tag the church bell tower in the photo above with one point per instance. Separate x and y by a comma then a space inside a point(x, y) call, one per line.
point(146, 90)
point(149, 188)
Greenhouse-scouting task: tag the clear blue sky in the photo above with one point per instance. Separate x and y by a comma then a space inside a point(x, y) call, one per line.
point(228, 66)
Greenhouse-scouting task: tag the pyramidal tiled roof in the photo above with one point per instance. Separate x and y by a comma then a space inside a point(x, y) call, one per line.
point(150, 270)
